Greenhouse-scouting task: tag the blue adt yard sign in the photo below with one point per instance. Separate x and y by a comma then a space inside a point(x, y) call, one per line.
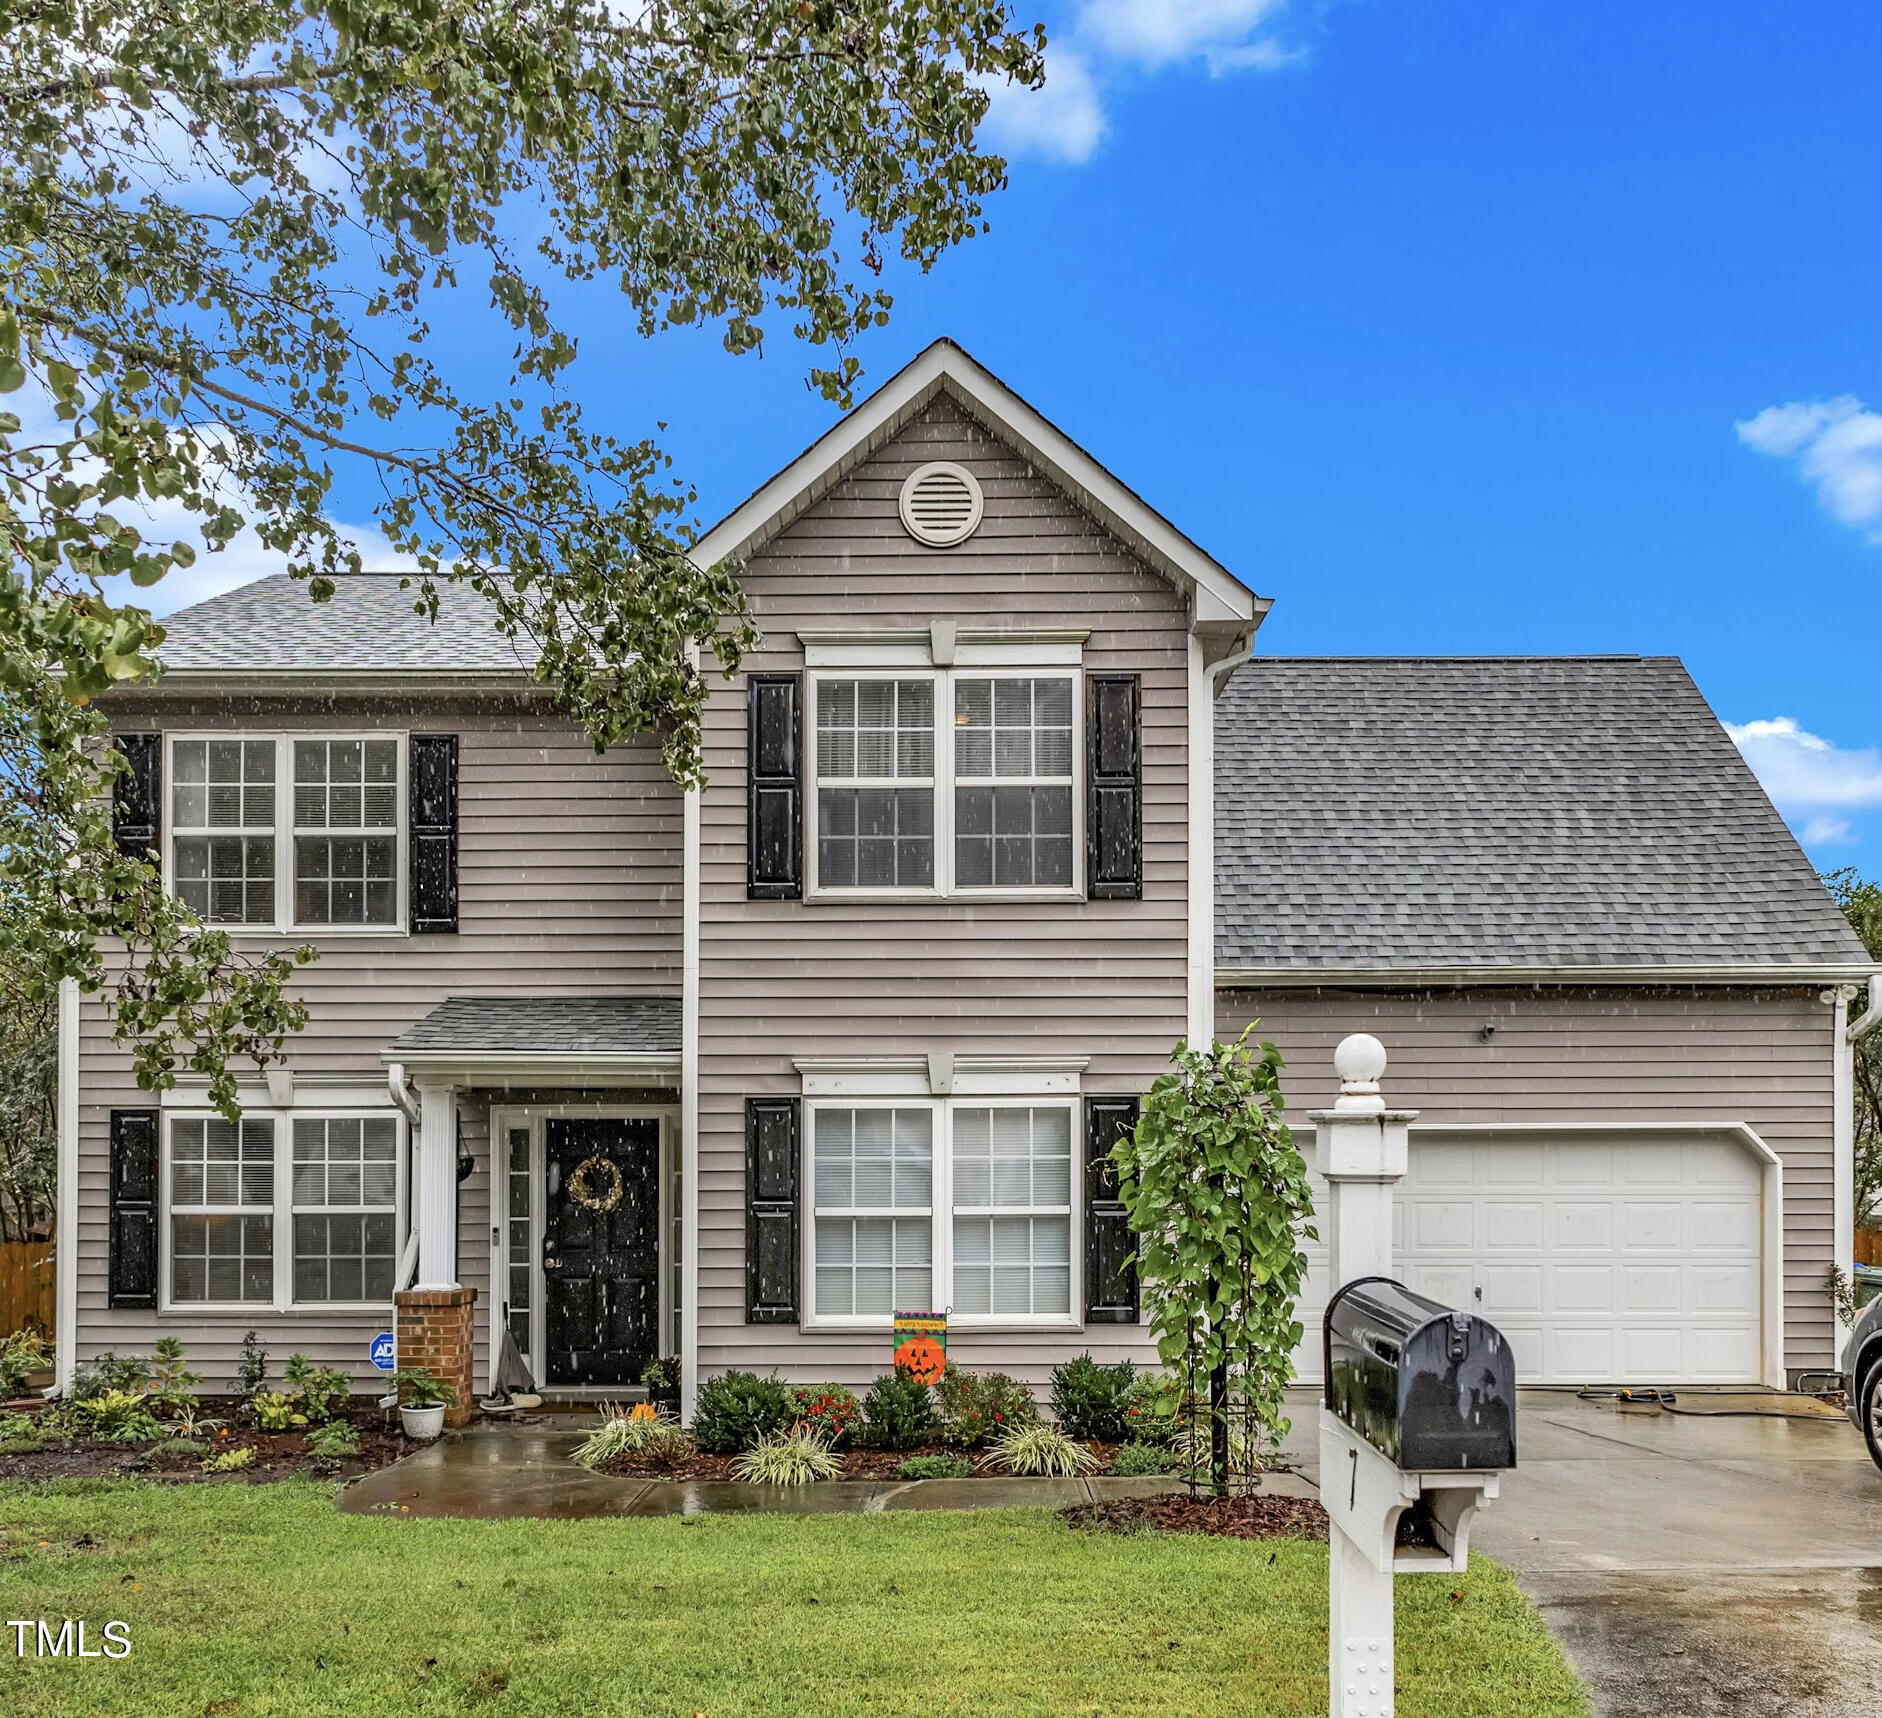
point(381, 1351)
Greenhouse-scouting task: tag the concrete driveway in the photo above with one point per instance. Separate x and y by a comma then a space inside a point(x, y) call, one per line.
point(1695, 1566)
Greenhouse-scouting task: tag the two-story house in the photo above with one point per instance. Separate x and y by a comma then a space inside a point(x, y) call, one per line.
point(1003, 807)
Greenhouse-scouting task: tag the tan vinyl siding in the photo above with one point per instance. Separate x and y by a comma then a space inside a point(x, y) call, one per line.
point(1764, 1058)
point(787, 979)
point(569, 883)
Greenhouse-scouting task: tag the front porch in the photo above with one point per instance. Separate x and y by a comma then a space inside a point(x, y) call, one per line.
point(546, 1192)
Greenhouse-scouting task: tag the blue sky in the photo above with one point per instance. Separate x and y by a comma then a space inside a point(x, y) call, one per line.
point(1454, 327)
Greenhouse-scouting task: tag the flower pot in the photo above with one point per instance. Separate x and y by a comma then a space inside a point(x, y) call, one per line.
point(422, 1424)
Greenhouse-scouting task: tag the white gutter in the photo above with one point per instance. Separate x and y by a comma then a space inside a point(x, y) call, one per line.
point(1439, 977)
point(1871, 1016)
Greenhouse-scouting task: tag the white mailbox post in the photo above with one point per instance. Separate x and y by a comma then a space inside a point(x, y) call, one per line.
point(1362, 1149)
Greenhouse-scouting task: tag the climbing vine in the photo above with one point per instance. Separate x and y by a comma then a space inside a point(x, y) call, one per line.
point(1218, 1196)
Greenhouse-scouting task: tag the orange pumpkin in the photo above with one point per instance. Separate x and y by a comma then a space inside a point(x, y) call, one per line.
point(923, 1359)
point(643, 1411)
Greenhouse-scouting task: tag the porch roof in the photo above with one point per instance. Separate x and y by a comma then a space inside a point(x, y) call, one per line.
point(559, 1026)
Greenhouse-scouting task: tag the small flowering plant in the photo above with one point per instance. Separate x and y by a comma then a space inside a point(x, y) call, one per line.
point(978, 1407)
point(829, 1410)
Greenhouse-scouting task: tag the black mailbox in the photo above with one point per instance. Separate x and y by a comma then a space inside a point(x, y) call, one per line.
point(1427, 1387)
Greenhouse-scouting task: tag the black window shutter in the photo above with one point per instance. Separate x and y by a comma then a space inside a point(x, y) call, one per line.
point(774, 788)
point(133, 1271)
point(137, 806)
point(1114, 789)
point(1110, 1283)
point(433, 832)
point(772, 1156)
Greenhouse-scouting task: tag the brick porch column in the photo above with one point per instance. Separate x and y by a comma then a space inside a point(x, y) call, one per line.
point(437, 1330)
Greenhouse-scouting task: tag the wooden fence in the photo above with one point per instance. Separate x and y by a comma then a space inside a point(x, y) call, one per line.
point(1869, 1246)
point(28, 1286)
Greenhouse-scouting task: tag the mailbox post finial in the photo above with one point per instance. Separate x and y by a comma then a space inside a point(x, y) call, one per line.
point(1359, 1061)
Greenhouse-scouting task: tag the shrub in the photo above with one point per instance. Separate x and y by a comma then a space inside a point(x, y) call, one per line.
point(830, 1410)
point(106, 1372)
point(229, 1460)
point(642, 1430)
point(736, 1409)
point(1089, 1400)
point(1040, 1449)
point(121, 1416)
point(251, 1371)
point(168, 1373)
point(318, 1387)
point(333, 1443)
point(277, 1411)
point(976, 1407)
point(795, 1458)
point(19, 1435)
point(935, 1467)
point(1157, 1408)
point(900, 1411)
point(1137, 1460)
point(23, 1352)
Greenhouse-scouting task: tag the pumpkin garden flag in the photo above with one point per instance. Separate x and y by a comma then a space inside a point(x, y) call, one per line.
point(921, 1345)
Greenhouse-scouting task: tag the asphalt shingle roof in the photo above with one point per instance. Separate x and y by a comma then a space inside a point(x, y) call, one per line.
point(1432, 812)
point(367, 624)
point(548, 1025)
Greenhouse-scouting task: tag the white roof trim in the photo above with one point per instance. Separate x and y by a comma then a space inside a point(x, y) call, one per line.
point(1216, 593)
point(1419, 977)
point(482, 1068)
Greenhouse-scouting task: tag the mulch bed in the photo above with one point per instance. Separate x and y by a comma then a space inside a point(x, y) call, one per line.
point(857, 1464)
point(278, 1455)
point(1258, 1517)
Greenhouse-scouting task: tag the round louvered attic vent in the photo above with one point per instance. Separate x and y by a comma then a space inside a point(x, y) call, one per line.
point(941, 505)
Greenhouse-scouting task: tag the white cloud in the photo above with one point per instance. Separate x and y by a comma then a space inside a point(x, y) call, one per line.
point(1827, 832)
point(1065, 121)
point(1157, 32)
point(1805, 773)
point(1837, 445)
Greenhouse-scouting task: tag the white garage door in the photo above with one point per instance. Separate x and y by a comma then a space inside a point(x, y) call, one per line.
point(1603, 1258)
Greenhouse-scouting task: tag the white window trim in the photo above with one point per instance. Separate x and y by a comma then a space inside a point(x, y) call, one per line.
point(944, 887)
point(282, 1212)
point(285, 924)
point(941, 1209)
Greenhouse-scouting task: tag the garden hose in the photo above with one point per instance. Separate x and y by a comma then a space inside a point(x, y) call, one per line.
point(1667, 1402)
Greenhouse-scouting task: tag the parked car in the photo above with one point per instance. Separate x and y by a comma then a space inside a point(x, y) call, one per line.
point(1865, 1377)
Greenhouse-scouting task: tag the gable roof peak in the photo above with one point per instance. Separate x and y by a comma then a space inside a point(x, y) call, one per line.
point(946, 369)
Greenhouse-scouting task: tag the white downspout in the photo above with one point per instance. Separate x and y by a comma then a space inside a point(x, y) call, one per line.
point(1871, 1017)
point(407, 1101)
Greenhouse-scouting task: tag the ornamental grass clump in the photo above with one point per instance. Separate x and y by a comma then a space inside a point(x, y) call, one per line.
point(1217, 1193)
point(640, 1430)
point(1040, 1449)
point(796, 1457)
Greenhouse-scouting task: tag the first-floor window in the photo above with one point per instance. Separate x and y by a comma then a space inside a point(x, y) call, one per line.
point(345, 1208)
point(924, 1206)
point(320, 1192)
point(221, 1210)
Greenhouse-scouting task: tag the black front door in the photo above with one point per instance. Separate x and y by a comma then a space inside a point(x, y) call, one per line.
point(601, 1249)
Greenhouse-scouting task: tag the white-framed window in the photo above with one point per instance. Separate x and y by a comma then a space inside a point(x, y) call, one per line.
point(947, 782)
point(282, 1210)
point(346, 1201)
point(965, 1205)
point(288, 832)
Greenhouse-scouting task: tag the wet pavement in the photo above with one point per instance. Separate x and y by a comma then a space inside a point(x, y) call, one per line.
point(491, 1473)
point(1698, 1568)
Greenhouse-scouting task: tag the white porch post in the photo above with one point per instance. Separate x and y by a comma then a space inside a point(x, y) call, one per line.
point(434, 1199)
point(1362, 1149)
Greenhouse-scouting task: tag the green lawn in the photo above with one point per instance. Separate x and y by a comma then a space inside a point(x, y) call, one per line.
point(245, 1600)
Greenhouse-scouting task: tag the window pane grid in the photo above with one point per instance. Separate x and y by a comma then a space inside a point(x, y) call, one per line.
point(873, 1181)
point(221, 1210)
point(342, 786)
point(345, 1196)
point(1012, 1227)
point(875, 784)
point(1013, 783)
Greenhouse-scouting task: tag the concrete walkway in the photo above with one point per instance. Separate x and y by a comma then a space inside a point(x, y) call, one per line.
point(1698, 1567)
point(492, 1473)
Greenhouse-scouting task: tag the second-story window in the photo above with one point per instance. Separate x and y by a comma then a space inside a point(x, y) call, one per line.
point(286, 832)
point(946, 783)
point(346, 821)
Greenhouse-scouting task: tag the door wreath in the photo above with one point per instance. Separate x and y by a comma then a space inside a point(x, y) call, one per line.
point(581, 1186)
